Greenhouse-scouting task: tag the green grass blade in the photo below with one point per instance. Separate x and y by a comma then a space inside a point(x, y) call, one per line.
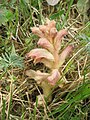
point(74, 98)
point(3, 110)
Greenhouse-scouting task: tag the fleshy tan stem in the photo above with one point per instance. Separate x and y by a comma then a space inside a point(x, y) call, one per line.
point(48, 54)
point(47, 90)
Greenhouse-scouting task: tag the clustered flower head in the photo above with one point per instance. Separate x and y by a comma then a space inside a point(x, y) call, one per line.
point(49, 54)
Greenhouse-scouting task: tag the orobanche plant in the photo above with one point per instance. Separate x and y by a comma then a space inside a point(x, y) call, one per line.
point(49, 54)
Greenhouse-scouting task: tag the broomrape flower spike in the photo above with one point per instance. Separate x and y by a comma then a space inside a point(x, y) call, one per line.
point(48, 54)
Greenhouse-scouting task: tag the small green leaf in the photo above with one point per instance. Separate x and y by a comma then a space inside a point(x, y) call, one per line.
point(11, 60)
point(5, 15)
point(56, 15)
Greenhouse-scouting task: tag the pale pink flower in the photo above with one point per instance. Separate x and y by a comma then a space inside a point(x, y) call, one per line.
point(41, 55)
point(37, 31)
point(54, 77)
point(58, 39)
point(43, 42)
point(64, 54)
point(38, 76)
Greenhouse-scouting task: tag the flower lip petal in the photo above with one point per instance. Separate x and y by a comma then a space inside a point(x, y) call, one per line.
point(41, 55)
point(55, 76)
point(65, 53)
point(58, 38)
point(60, 34)
point(37, 75)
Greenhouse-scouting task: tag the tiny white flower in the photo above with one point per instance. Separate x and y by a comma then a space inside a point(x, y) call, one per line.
point(52, 2)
